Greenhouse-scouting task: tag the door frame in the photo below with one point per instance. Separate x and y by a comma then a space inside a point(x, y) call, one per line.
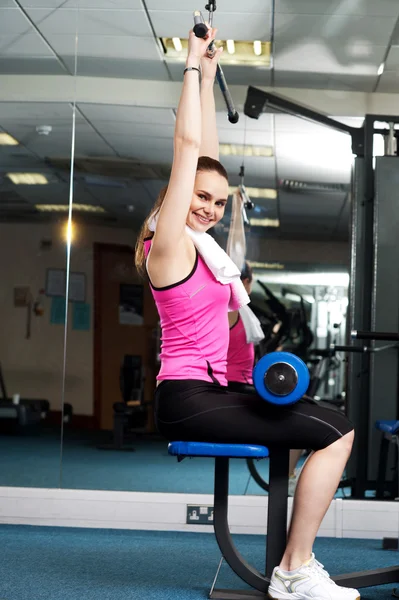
point(100, 248)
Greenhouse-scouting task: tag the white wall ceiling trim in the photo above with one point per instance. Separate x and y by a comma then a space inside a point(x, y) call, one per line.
point(161, 94)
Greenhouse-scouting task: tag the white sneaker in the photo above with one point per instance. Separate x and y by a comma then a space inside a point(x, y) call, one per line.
point(308, 582)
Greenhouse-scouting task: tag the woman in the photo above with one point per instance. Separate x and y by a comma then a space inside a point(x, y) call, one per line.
point(240, 363)
point(193, 290)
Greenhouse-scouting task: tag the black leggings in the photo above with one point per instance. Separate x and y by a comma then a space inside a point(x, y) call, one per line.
point(197, 411)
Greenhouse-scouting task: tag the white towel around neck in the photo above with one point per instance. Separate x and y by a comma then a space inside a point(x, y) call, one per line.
point(253, 330)
point(217, 261)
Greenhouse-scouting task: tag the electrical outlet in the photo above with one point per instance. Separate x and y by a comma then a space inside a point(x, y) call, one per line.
point(199, 515)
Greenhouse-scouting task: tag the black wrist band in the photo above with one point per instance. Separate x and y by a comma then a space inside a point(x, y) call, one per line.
point(191, 69)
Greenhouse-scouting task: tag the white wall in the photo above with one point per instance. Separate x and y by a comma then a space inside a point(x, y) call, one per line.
point(33, 367)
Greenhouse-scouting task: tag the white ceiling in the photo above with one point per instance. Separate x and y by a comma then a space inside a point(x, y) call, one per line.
point(335, 45)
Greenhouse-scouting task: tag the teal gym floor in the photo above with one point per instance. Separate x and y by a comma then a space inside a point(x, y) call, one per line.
point(49, 563)
point(34, 461)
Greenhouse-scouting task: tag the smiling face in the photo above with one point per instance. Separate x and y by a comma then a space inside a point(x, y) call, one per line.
point(210, 196)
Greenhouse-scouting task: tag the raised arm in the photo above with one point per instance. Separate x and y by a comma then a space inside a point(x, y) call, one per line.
point(209, 133)
point(169, 234)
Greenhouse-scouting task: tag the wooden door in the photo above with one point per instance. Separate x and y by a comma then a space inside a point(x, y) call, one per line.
point(119, 298)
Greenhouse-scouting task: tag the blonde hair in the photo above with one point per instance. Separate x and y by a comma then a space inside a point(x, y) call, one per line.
point(205, 163)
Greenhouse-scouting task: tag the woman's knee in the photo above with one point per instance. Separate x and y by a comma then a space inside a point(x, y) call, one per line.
point(344, 444)
point(348, 439)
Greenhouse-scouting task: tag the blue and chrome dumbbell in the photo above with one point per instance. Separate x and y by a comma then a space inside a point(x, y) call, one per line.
point(281, 378)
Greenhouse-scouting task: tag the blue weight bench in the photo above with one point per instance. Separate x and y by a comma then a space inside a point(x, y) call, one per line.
point(277, 510)
point(276, 519)
point(390, 434)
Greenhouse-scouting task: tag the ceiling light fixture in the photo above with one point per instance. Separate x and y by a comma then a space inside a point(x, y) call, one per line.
point(381, 69)
point(230, 46)
point(27, 178)
point(264, 222)
point(312, 186)
point(90, 208)
point(252, 192)
point(238, 150)
point(7, 140)
point(177, 44)
point(257, 47)
point(238, 52)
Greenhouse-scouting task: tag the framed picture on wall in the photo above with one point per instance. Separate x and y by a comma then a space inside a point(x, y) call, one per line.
point(77, 287)
point(55, 282)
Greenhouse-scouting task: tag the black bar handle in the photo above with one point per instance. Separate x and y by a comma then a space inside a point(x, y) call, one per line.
point(375, 335)
point(232, 114)
point(200, 30)
point(360, 349)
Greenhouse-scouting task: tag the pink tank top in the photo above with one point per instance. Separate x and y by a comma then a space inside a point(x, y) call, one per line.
point(240, 356)
point(194, 324)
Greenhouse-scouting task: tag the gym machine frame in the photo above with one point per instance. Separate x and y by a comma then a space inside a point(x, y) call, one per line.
point(362, 252)
point(361, 285)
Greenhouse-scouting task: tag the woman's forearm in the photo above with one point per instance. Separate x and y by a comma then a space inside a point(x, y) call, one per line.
point(188, 117)
point(209, 135)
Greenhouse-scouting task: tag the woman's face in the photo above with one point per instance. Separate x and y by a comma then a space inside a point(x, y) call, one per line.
point(211, 192)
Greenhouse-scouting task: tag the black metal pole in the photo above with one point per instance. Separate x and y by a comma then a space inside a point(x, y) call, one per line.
point(277, 508)
point(365, 311)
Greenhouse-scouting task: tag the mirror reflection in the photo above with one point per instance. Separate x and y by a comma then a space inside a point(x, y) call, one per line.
point(36, 129)
point(297, 245)
point(34, 197)
point(297, 176)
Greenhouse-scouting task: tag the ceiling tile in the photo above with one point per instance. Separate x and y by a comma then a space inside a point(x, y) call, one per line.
point(351, 83)
point(28, 44)
point(12, 20)
point(381, 8)
point(146, 150)
point(92, 145)
point(314, 56)
point(293, 28)
point(91, 22)
point(130, 114)
point(35, 111)
point(74, 4)
point(108, 47)
point(177, 24)
point(34, 66)
point(127, 129)
point(223, 6)
point(90, 66)
point(389, 82)
point(392, 62)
